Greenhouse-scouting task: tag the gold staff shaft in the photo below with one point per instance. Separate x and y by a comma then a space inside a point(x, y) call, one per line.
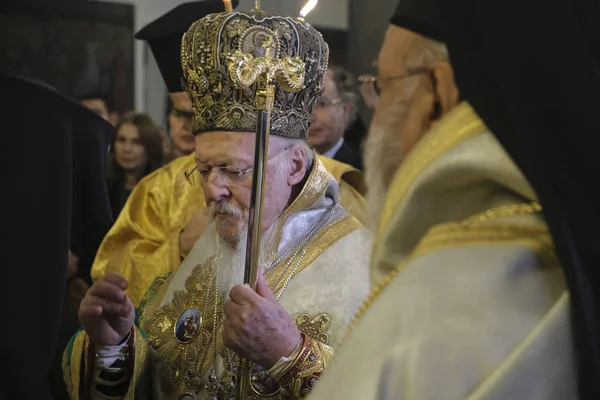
point(265, 99)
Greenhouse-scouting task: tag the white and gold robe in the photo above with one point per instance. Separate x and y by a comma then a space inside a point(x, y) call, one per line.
point(469, 300)
point(322, 288)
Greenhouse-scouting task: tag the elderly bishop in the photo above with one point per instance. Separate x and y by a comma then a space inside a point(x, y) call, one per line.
point(164, 216)
point(195, 324)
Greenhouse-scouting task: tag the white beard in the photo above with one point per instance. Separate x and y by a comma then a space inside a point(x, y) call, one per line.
point(231, 258)
point(231, 254)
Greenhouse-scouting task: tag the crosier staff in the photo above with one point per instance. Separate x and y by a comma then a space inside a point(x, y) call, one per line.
point(265, 71)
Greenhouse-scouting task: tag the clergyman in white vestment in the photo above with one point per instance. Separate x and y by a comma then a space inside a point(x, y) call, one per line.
point(469, 300)
point(195, 325)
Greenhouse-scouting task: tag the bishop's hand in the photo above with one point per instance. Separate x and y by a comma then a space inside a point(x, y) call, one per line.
point(106, 312)
point(257, 327)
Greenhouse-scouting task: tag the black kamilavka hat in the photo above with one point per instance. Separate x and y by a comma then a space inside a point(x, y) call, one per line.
point(164, 37)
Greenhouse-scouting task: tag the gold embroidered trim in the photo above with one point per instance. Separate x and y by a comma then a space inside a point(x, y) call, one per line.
point(66, 371)
point(459, 126)
point(141, 353)
point(153, 298)
point(185, 364)
point(472, 231)
point(314, 188)
point(510, 210)
point(328, 236)
point(316, 327)
point(78, 355)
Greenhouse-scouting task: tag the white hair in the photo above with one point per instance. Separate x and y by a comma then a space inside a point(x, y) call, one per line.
point(281, 143)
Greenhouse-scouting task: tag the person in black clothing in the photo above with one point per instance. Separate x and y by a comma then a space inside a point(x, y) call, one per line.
point(55, 195)
point(333, 115)
point(163, 37)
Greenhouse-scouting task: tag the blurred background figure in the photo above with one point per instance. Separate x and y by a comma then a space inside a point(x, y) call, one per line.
point(179, 126)
point(333, 115)
point(100, 104)
point(136, 152)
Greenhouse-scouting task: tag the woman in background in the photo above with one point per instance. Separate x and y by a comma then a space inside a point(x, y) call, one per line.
point(136, 152)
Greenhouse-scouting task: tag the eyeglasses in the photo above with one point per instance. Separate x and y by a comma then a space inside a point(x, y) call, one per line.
point(325, 103)
point(227, 175)
point(379, 81)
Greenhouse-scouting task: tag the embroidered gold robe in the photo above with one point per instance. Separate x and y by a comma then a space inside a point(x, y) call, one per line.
point(178, 340)
point(144, 241)
point(469, 299)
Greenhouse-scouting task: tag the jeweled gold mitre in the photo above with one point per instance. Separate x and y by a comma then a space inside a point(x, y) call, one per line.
point(228, 58)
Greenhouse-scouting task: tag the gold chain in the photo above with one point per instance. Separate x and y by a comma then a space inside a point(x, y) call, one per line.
point(504, 211)
point(498, 212)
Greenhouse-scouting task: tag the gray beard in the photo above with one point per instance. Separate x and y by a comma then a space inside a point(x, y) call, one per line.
point(382, 160)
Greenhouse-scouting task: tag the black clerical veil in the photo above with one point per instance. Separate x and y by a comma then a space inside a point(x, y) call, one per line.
point(531, 70)
point(52, 166)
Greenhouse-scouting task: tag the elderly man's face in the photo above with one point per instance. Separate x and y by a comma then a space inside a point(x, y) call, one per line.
point(224, 162)
point(412, 97)
point(395, 118)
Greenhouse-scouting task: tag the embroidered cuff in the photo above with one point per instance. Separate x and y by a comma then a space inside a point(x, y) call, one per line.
point(303, 372)
point(285, 362)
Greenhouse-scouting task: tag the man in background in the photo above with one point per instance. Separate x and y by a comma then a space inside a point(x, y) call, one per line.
point(179, 125)
point(333, 115)
point(100, 104)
